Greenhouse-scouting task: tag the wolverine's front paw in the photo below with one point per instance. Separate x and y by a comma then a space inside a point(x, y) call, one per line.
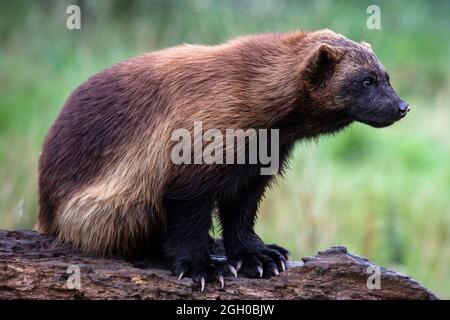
point(203, 270)
point(260, 261)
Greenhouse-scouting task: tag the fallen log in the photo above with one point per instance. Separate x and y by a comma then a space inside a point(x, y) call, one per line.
point(33, 267)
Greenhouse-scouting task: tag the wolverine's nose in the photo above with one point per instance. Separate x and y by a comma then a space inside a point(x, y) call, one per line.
point(403, 108)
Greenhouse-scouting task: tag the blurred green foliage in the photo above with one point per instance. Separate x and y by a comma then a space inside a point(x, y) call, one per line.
point(384, 193)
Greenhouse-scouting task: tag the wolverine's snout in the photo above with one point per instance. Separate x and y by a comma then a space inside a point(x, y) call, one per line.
point(403, 108)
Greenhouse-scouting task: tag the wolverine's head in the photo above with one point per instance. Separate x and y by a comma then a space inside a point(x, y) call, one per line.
point(345, 75)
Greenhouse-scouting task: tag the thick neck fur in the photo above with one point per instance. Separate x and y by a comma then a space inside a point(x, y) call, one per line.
point(272, 71)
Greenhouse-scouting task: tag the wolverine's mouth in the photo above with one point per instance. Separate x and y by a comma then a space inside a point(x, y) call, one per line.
point(377, 120)
point(380, 124)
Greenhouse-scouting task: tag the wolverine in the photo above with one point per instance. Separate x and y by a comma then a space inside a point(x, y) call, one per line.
point(108, 185)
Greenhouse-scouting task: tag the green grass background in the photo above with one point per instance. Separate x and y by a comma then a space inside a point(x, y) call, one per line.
point(383, 193)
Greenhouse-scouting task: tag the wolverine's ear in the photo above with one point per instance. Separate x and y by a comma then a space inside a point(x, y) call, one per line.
point(320, 65)
point(367, 45)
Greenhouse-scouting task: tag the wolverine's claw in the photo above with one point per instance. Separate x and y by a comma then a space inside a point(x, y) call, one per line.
point(238, 265)
point(202, 283)
point(260, 261)
point(203, 271)
point(260, 271)
point(233, 271)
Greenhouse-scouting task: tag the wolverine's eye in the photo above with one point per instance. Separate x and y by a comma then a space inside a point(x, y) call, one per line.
point(369, 82)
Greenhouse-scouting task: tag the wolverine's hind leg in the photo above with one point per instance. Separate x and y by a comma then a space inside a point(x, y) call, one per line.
point(187, 241)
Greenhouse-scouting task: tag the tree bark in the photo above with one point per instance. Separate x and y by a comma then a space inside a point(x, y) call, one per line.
point(32, 266)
